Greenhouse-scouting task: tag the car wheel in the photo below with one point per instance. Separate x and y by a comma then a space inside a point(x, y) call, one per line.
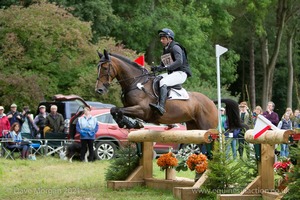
point(192, 148)
point(105, 150)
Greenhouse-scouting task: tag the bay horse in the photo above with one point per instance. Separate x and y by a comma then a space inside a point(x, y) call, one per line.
point(198, 112)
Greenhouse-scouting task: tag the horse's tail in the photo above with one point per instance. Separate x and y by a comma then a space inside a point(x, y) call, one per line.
point(233, 113)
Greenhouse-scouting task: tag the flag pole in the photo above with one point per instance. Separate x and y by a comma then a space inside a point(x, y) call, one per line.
point(219, 51)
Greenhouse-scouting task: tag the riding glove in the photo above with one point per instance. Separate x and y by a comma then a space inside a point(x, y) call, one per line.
point(161, 68)
point(158, 68)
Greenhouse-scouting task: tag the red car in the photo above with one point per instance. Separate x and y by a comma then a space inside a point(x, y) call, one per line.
point(109, 136)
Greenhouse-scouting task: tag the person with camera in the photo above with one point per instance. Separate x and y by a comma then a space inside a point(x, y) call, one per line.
point(13, 115)
point(28, 127)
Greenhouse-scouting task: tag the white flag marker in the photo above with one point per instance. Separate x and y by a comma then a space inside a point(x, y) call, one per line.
point(262, 125)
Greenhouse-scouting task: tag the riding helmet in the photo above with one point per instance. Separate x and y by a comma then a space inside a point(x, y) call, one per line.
point(166, 32)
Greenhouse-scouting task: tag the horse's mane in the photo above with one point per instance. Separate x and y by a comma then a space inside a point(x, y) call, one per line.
point(127, 60)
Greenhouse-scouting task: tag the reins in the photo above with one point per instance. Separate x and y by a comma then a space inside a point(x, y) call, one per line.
point(123, 80)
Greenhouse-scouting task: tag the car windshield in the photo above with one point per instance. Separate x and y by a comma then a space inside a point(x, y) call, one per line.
point(75, 106)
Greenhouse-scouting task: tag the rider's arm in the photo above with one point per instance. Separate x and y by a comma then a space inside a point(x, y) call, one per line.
point(178, 58)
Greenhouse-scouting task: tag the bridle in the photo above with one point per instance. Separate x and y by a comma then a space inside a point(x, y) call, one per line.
point(110, 77)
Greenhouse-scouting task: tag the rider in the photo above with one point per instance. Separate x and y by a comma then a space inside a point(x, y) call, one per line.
point(174, 61)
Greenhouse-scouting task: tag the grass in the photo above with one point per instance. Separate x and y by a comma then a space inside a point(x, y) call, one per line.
point(52, 178)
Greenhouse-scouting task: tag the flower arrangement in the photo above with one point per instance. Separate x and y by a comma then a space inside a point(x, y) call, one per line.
point(167, 160)
point(197, 162)
point(281, 167)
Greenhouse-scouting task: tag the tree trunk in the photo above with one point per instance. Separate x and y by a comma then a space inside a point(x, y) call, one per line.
point(150, 57)
point(270, 67)
point(290, 69)
point(252, 73)
point(265, 62)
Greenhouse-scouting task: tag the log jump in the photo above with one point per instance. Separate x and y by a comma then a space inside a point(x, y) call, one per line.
point(269, 137)
point(185, 189)
point(179, 137)
point(143, 174)
point(263, 185)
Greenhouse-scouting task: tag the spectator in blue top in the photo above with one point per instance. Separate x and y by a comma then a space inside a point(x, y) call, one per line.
point(16, 140)
point(87, 126)
point(285, 124)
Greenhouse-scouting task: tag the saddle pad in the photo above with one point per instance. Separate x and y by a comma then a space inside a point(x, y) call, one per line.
point(178, 94)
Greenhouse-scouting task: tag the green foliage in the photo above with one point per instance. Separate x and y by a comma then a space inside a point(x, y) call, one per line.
point(182, 156)
point(99, 12)
point(122, 166)
point(227, 175)
point(43, 50)
point(223, 172)
point(192, 23)
point(294, 175)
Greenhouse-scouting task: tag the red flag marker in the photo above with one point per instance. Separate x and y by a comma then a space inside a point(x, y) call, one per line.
point(140, 60)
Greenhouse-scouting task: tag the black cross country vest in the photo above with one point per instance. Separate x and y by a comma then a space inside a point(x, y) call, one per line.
point(185, 66)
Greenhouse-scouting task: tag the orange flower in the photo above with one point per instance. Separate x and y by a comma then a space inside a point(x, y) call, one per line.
point(167, 160)
point(197, 162)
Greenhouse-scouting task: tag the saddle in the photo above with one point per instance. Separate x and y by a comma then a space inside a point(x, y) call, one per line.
point(174, 92)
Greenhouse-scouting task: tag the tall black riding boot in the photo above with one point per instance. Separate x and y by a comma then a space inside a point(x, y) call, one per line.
point(160, 106)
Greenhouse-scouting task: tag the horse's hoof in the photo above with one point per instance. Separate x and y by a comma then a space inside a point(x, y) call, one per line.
point(138, 125)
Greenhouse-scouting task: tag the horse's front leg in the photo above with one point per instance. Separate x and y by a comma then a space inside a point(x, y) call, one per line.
point(119, 115)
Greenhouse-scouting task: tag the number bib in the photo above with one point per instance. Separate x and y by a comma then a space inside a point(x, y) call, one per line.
point(167, 59)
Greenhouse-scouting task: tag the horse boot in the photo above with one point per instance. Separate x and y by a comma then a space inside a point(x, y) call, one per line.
point(160, 106)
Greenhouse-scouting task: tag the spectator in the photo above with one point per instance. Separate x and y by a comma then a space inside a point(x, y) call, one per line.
point(28, 125)
point(40, 121)
point(55, 120)
point(246, 118)
point(270, 114)
point(16, 137)
point(4, 123)
point(231, 136)
point(245, 113)
point(223, 120)
point(87, 126)
point(297, 118)
point(285, 124)
point(13, 115)
point(257, 111)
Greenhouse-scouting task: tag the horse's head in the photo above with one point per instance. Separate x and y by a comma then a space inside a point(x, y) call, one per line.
point(113, 66)
point(106, 73)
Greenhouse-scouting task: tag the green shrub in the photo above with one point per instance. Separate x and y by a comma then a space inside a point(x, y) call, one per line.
point(122, 166)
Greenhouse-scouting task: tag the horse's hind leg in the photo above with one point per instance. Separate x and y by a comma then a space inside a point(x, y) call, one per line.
point(207, 147)
point(191, 125)
point(123, 121)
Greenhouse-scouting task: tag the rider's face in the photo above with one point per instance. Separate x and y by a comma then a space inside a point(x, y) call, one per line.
point(165, 41)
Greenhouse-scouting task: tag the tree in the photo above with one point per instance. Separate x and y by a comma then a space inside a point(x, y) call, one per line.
point(194, 24)
point(284, 11)
point(43, 49)
point(292, 29)
point(98, 12)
